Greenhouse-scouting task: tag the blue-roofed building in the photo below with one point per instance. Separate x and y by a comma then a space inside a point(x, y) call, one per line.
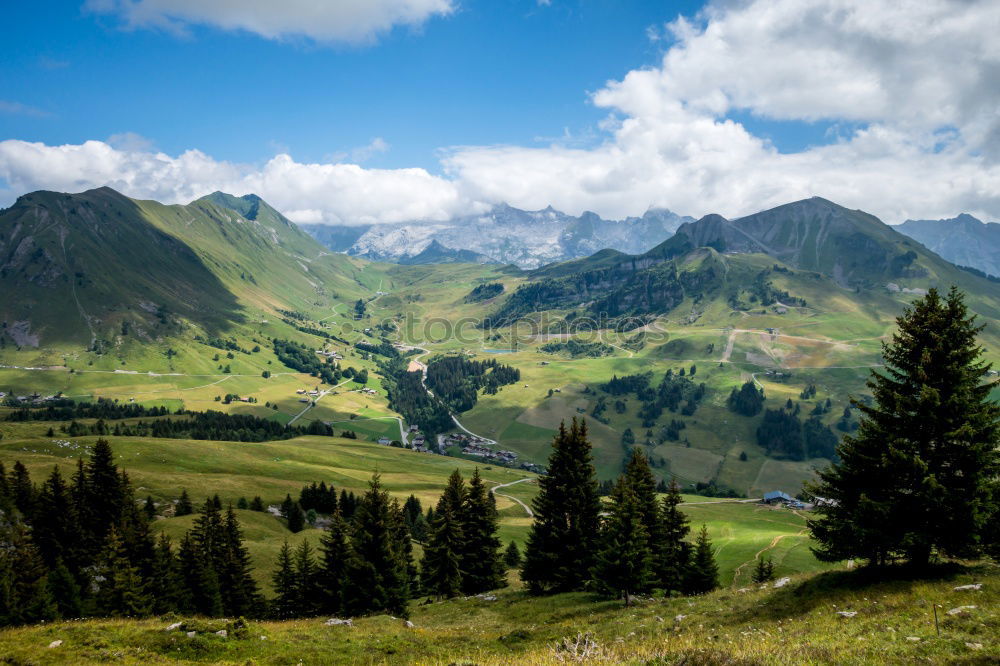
point(777, 496)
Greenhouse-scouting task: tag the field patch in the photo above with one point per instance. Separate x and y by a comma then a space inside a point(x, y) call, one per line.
point(690, 465)
point(786, 475)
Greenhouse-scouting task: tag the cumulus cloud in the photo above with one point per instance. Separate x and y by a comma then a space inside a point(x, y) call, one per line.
point(917, 82)
point(327, 193)
point(921, 80)
point(327, 21)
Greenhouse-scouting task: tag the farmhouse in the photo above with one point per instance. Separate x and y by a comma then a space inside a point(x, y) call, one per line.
point(777, 497)
point(384, 441)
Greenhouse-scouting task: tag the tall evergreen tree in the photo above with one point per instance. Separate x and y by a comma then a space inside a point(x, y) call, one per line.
point(149, 508)
point(561, 544)
point(920, 476)
point(378, 573)
point(104, 489)
point(283, 606)
point(56, 530)
point(183, 506)
point(703, 573)
point(673, 557)
point(306, 585)
point(22, 490)
point(122, 590)
point(512, 556)
point(623, 564)
point(481, 557)
point(296, 519)
point(166, 585)
point(441, 573)
point(240, 595)
point(200, 579)
point(763, 571)
point(336, 555)
point(24, 589)
point(65, 591)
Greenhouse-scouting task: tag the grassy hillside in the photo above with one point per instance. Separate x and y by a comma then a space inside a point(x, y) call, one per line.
point(893, 623)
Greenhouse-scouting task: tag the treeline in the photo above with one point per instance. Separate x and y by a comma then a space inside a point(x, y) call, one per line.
point(84, 548)
point(64, 409)
point(312, 330)
point(747, 400)
point(577, 349)
point(383, 348)
point(209, 425)
point(408, 397)
point(484, 292)
point(782, 435)
point(639, 546)
point(675, 392)
point(458, 380)
point(303, 359)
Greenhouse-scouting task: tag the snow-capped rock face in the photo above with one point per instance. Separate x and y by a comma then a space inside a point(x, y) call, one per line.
point(510, 235)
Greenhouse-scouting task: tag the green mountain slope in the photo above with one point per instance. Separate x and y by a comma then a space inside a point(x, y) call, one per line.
point(76, 268)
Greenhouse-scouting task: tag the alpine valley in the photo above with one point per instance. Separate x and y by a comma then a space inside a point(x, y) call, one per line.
point(222, 350)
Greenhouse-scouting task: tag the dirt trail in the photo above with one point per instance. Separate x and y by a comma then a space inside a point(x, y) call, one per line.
point(524, 506)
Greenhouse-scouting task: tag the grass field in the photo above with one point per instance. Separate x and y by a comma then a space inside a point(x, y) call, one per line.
point(797, 624)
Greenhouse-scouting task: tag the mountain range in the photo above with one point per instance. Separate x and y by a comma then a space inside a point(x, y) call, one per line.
point(505, 235)
point(962, 240)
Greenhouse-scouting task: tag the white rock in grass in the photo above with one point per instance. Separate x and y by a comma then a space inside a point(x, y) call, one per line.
point(222, 632)
point(678, 618)
point(174, 627)
point(961, 610)
point(974, 646)
point(191, 634)
point(913, 639)
point(973, 586)
point(847, 613)
point(334, 621)
point(781, 582)
point(409, 625)
point(55, 644)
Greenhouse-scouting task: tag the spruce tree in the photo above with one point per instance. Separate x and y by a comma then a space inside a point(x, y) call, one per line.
point(183, 506)
point(149, 508)
point(296, 519)
point(623, 564)
point(441, 573)
point(24, 590)
point(336, 554)
point(481, 557)
point(240, 595)
point(377, 575)
point(703, 573)
point(561, 544)
point(104, 488)
point(306, 581)
point(763, 571)
point(257, 504)
point(122, 591)
point(512, 556)
point(166, 585)
point(673, 557)
point(65, 591)
point(283, 606)
point(920, 476)
point(22, 490)
point(56, 531)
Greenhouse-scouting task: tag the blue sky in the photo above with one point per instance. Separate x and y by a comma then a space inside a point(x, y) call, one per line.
point(350, 111)
point(498, 71)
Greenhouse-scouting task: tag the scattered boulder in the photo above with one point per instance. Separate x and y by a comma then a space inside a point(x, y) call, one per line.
point(263, 638)
point(192, 634)
point(913, 639)
point(55, 644)
point(847, 613)
point(409, 625)
point(335, 621)
point(974, 646)
point(486, 597)
point(222, 632)
point(678, 618)
point(781, 582)
point(960, 610)
point(972, 586)
point(174, 627)
point(659, 619)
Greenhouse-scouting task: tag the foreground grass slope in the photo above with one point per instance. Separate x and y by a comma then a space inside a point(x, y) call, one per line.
point(796, 624)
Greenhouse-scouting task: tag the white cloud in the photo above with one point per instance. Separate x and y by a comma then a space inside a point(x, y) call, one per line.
point(921, 79)
point(918, 83)
point(350, 21)
point(329, 193)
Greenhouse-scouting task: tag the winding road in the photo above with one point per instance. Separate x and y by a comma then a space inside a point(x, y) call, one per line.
point(524, 506)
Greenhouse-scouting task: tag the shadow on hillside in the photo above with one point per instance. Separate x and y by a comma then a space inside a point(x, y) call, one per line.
point(832, 586)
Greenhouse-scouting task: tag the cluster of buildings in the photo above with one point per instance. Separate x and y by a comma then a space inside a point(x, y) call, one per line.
point(779, 498)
